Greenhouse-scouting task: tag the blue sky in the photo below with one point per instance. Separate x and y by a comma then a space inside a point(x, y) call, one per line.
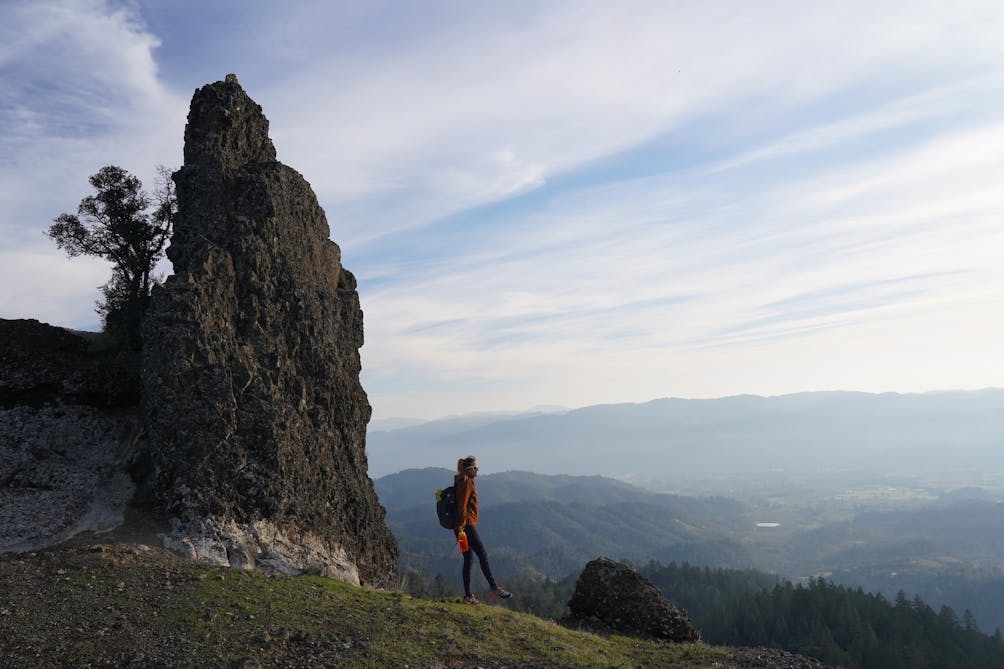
point(568, 203)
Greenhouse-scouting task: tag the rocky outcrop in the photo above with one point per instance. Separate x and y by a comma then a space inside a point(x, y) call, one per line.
point(41, 363)
point(773, 658)
point(612, 596)
point(256, 419)
point(67, 421)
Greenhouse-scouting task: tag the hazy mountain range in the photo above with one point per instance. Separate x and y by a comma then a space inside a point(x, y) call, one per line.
point(744, 436)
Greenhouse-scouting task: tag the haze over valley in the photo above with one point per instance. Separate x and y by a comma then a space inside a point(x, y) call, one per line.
point(819, 441)
point(887, 492)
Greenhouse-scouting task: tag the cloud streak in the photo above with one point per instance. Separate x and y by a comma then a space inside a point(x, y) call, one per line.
point(901, 245)
point(80, 91)
point(552, 203)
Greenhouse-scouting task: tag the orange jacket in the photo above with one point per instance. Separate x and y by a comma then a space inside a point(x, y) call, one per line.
point(467, 500)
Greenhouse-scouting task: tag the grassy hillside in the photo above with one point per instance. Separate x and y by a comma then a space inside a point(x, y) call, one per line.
point(129, 605)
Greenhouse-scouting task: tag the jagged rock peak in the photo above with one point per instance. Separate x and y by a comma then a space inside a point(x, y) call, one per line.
point(256, 416)
point(613, 596)
point(226, 128)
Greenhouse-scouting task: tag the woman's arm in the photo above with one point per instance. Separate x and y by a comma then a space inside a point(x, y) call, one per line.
point(463, 499)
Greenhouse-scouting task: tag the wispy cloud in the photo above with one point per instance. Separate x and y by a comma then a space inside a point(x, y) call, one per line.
point(556, 89)
point(571, 203)
point(80, 90)
point(679, 272)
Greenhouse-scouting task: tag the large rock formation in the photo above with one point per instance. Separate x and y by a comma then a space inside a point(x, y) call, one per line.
point(256, 419)
point(40, 363)
point(612, 596)
point(68, 417)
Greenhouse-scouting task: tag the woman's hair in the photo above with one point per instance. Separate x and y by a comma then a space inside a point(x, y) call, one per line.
point(464, 463)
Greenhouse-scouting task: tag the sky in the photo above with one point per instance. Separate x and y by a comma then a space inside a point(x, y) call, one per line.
point(567, 203)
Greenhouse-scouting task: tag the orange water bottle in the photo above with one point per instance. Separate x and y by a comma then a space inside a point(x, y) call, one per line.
point(462, 542)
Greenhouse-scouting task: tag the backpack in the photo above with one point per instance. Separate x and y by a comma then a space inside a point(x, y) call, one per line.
point(446, 507)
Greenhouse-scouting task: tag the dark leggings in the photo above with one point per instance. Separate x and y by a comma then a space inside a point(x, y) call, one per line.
point(476, 547)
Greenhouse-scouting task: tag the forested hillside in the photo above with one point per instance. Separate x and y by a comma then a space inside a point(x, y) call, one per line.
point(551, 525)
point(941, 544)
point(838, 625)
point(950, 553)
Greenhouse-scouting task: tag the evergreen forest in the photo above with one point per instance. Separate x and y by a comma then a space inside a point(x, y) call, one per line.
point(840, 626)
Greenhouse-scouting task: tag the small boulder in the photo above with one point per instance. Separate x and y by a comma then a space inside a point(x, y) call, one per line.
point(610, 595)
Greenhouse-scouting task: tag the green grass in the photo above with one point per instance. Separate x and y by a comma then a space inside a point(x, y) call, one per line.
point(366, 628)
point(102, 612)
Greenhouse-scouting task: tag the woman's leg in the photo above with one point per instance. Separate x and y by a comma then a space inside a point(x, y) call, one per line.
point(468, 561)
point(478, 548)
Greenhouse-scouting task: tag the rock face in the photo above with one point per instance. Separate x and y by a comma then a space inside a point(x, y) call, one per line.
point(68, 416)
point(610, 595)
point(41, 363)
point(256, 419)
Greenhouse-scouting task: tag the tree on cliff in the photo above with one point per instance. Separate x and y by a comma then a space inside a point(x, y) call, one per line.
point(128, 227)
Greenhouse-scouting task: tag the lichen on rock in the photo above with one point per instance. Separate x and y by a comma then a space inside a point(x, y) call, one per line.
point(256, 419)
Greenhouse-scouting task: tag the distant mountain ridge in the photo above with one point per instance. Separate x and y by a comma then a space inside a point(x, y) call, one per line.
point(739, 435)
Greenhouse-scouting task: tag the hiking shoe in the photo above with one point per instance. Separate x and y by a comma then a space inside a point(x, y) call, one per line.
point(472, 600)
point(501, 593)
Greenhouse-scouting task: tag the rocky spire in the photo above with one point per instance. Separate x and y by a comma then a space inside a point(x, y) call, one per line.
point(226, 128)
point(256, 419)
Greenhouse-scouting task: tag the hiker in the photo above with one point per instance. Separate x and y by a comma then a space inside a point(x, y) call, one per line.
point(467, 521)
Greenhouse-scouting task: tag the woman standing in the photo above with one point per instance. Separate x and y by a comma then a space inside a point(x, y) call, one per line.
point(467, 510)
